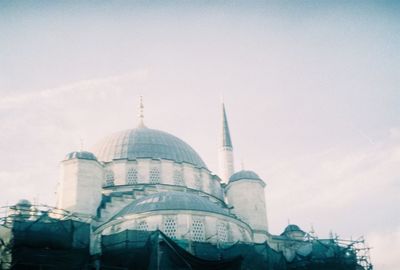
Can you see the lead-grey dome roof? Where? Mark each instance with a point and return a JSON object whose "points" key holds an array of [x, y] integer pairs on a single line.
{"points": [[80, 155], [24, 202], [248, 175], [292, 228], [172, 201], [144, 142]]}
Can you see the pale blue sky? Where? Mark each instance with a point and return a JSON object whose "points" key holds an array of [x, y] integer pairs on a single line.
{"points": [[312, 92]]}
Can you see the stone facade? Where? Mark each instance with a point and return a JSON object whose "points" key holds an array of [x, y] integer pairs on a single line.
{"points": [[80, 188], [248, 201]]}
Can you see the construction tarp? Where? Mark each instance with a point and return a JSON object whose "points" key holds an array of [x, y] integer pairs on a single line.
{"points": [[154, 250], [45, 243], [325, 254], [256, 256], [49, 244]]}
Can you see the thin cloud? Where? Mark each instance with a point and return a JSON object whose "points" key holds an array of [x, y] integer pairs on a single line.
{"points": [[385, 247], [106, 83], [337, 180]]}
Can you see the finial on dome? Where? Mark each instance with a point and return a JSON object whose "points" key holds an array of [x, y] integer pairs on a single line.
{"points": [[81, 144], [141, 113]]}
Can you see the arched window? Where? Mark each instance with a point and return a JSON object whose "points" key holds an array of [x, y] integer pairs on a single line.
{"points": [[197, 230], [197, 182], [115, 228], [109, 179], [178, 178], [132, 176], [244, 235], [142, 226], [170, 227], [212, 188], [217, 188], [154, 176], [222, 232]]}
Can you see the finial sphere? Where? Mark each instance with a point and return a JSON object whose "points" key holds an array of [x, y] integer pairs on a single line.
{"points": [[141, 113]]}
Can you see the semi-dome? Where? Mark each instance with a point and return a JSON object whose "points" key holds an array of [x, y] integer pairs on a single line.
{"points": [[172, 201], [144, 142], [250, 175], [81, 155]]}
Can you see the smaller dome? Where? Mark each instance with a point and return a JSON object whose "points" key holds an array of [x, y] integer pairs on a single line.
{"points": [[81, 155], [292, 228], [172, 201], [248, 175], [24, 202]]}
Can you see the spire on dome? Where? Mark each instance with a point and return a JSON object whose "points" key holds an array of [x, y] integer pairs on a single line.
{"points": [[226, 135], [81, 144], [141, 113]]}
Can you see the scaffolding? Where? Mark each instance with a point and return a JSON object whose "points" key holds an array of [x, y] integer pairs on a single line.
{"points": [[42, 238], [332, 253], [360, 249]]}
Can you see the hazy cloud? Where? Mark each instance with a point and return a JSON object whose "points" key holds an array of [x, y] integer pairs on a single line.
{"points": [[385, 248], [342, 181], [98, 85]]}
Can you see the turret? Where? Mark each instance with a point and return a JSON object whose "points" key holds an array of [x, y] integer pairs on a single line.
{"points": [[294, 232], [80, 187], [23, 210], [225, 154], [245, 192]]}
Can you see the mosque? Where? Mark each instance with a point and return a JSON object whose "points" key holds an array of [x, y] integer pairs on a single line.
{"points": [[144, 180], [147, 179]]}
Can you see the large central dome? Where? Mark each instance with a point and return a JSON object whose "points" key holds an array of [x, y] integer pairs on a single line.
{"points": [[144, 142]]}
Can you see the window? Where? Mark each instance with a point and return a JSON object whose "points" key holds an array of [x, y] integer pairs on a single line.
{"points": [[109, 179], [222, 232], [115, 228], [197, 230], [217, 189], [154, 176], [132, 176], [212, 187], [178, 178], [170, 227], [243, 234], [197, 182], [142, 226]]}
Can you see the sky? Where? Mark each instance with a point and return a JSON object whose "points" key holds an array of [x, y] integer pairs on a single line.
{"points": [[311, 88]]}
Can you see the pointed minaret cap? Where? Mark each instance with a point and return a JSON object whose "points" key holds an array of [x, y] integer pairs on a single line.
{"points": [[226, 135], [225, 156], [141, 114]]}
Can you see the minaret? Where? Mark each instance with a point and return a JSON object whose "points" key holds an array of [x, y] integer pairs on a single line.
{"points": [[226, 166]]}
